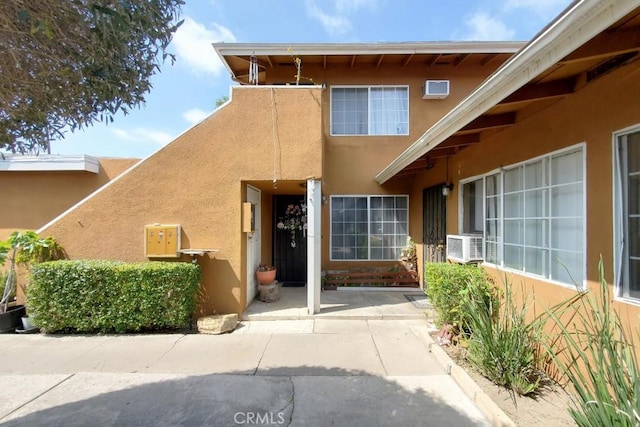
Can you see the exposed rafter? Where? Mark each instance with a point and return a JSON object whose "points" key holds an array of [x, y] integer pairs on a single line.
{"points": [[353, 60], [433, 60], [407, 60], [460, 59], [488, 122], [607, 45], [538, 91], [379, 61]]}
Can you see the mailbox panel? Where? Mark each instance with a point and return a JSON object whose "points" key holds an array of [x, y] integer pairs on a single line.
{"points": [[162, 241]]}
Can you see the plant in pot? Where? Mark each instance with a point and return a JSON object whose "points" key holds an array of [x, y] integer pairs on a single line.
{"points": [[22, 247], [266, 274]]}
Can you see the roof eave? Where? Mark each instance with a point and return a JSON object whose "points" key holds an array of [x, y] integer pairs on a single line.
{"points": [[578, 24]]}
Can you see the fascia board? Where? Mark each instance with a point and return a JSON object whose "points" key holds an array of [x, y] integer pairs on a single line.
{"points": [[46, 163]]}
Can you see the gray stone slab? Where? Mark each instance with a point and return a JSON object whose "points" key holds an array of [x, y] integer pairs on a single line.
{"points": [[201, 354], [21, 389], [124, 353], [276, 327], [320, 354], [99, 399], [364, 401], [42, 354], [338, 326], [402, 352]]}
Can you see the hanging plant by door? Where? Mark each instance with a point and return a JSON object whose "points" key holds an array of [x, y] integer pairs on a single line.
{"points": [[294, 219]]}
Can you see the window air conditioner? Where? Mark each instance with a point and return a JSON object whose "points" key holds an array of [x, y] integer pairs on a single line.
{"points": [[464, 249], [435, 89]]}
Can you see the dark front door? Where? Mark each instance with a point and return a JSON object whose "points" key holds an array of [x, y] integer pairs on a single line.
{"points": [[434, 208], [289, 240]]}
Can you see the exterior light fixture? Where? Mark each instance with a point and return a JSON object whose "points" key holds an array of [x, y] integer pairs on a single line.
{"points": [[446, 189]]}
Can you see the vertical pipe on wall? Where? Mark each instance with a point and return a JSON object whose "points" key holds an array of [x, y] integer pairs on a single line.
{"points": [[314, 207]]}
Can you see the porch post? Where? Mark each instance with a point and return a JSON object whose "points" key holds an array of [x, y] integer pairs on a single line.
{"points": [[314, 208]]}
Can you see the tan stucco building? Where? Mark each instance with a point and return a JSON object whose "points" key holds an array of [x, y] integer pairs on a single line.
{"points": [[537, 145]]}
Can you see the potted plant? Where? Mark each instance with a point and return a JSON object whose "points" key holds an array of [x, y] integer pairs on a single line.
{"points": [[22, 247], [266, 274]]}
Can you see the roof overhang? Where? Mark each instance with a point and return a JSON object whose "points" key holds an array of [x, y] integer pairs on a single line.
{"points": [[48, 163], [270, 56], [581, 22]]}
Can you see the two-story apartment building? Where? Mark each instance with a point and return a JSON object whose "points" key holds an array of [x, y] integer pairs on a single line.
{"points": [[529, 147]]}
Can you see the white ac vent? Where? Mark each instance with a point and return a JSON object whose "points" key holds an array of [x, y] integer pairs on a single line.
{"points": [[464, 249], [435, 89]]}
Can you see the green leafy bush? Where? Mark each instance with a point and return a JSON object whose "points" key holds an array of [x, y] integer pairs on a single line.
{"points": [[600, 361], [502, 344], [448, 285], [112, 296]]}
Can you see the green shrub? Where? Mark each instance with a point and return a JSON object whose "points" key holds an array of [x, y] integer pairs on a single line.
{"points": [[112, 296], [600, 361], [502, 345], [447, 287], [4, 275]]}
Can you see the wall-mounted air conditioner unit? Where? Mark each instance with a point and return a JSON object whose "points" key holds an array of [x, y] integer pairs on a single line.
{"points": [[464, 248], [435, 89]]}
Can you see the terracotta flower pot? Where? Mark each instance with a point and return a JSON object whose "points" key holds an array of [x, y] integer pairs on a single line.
{"points": [[266, 277]]}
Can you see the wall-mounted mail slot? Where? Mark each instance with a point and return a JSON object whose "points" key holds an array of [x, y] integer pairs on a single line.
{"points": [[162, 241]]}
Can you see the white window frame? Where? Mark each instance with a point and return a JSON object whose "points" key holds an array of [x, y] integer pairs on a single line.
{"points": [[368, 196], [500, 171], [620, 220], [369, 121]]}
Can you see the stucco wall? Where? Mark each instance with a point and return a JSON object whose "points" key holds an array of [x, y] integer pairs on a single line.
{"points": [[589, 116], [198, 181], [352, 162], [32, 199]]}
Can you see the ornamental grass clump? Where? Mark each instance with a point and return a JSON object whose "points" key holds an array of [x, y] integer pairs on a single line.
{"points": [[502, 344], [599, 359]]}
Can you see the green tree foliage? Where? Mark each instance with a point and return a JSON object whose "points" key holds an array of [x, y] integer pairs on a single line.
{"points": [[66, 64]]}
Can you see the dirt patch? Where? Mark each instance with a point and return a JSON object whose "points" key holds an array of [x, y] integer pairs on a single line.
{"points": [[550, 408]]}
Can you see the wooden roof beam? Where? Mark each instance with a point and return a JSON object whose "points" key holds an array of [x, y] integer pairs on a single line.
{"points": [[460, 59], [353, 61], [488, 122], [407, 60], [379, 61], [606, 45], [433, 60], [535, 91]]}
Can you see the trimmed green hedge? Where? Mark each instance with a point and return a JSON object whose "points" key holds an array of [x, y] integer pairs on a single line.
{"points": [[448, 285], [112, 296]]}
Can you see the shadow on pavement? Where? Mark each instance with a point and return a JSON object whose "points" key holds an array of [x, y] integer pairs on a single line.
{"points": [[309, 396]]}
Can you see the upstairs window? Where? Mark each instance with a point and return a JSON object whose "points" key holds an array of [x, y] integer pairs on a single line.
{"points": [[375, 110], [627, 215]]}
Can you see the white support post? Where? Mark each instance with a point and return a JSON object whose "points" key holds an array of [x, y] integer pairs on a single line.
{"points": [[314, 247]]}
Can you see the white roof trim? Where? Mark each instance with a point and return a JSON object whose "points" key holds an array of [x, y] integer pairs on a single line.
{"points": [[366, 48], [577, 25], [48, 162]]}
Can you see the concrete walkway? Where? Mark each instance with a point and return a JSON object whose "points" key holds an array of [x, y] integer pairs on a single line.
{"points": [[366, 360], [322, 372]]}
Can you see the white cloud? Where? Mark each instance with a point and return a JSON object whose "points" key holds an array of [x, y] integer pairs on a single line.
{"points": [[335, 25], [338, 23], [484, 27], [346, 6], [142, 135], [546, 9], [195, 115], [192, 43]]}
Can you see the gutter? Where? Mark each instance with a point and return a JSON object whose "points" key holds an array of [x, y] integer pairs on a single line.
{"points": [[580, 22]]}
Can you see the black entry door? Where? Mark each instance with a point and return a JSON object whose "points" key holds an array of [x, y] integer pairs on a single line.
{"points": [[434, 208], [289, 246]]}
